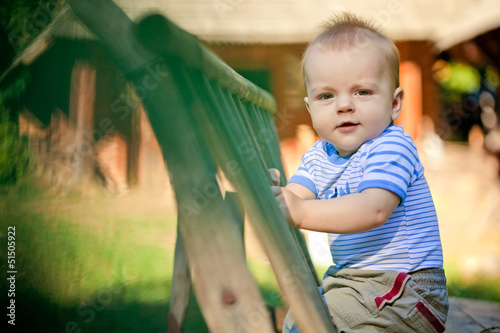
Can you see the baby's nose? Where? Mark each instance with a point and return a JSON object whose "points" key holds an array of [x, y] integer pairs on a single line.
{"points": [[344, 104]]}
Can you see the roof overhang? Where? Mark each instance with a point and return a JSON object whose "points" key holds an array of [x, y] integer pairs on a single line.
{"points": [[444, 23]]}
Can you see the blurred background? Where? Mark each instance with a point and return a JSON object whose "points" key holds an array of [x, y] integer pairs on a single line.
{"points": [[83, 180]]}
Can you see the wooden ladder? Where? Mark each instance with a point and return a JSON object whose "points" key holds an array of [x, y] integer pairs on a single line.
{"points": [[209, 120]]}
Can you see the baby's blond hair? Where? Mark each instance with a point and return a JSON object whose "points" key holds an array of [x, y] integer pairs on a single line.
{"points": [[346, 32]]}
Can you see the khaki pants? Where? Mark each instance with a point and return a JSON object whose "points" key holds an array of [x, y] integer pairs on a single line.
{"points": [[383, 301]]}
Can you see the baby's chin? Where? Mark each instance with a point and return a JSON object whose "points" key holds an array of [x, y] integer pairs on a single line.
{"points": [[345, 151]]}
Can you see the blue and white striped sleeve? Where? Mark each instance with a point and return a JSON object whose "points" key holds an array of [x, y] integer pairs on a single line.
{"points": [[391, 164], [305, 174]]}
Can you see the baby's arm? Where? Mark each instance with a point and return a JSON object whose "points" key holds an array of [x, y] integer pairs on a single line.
{"points": [[351, 213]]}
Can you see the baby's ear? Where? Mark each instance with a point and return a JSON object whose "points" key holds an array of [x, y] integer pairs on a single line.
{"points": [[306, 101], [397, 102]]}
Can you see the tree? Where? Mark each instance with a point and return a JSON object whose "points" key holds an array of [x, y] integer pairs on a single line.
{"points": [[20, 22]]}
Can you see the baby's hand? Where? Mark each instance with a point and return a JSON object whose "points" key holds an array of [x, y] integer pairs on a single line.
{"points": [[289, 203]]}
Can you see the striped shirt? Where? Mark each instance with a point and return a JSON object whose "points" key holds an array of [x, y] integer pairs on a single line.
{"points": [[409, 240]]}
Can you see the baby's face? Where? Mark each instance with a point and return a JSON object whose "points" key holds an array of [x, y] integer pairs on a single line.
{"points": [[350, 95]]}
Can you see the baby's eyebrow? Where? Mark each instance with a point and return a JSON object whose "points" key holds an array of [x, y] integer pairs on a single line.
{"points": [[317, 90], [366, 85]]}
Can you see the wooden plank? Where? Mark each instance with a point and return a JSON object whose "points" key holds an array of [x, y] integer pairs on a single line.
{"points": [[468, 315], [81, 115], [228, 297], [235, 206], [150, 166], [181, 285]]}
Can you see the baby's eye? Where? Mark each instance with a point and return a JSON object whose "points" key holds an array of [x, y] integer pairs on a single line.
{"points": [[363, 93], [325, 96]]}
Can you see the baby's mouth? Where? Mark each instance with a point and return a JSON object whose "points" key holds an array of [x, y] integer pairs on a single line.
{"points": [[347, 127], [347, 124]]}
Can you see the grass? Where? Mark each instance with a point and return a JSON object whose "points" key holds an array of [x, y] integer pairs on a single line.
{"points": [[85, 269], [81, 268], [87, 278], [477, 286]]}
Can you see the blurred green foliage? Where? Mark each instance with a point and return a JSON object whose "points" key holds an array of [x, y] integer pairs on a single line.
{"points": [[462, 79], [457, 79], [15, 89], [15, 156], [20, 22]]}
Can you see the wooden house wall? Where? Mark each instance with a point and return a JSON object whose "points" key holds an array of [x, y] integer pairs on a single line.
{"points": [[96, 129], [421, 54]]}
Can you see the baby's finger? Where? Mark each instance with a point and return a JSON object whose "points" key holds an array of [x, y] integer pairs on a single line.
{"points": [[276, 190], [275, 176]]}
